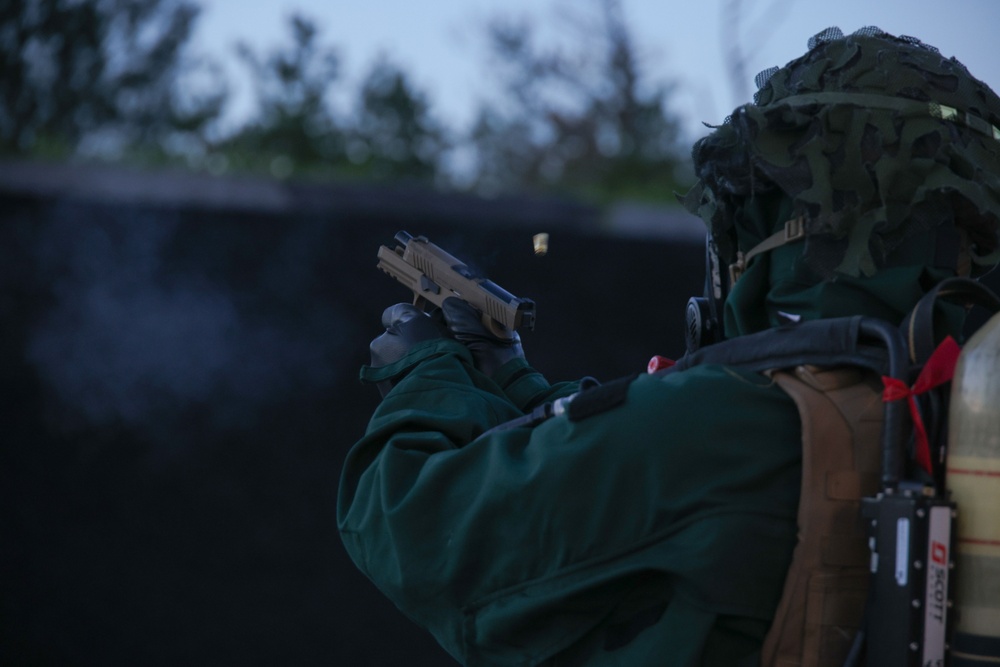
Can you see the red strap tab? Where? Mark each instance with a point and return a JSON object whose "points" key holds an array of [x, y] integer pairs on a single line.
{"points": [[658, 363], [940, 368]]}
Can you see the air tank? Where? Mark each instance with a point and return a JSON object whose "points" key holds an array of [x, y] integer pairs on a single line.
{"points": [[974, 480]]}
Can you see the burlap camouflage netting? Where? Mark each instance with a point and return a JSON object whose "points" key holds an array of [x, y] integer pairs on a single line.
{"points": [[874, 138]]}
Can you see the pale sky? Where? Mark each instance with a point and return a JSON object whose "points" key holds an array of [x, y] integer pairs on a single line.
{"points": [[439, 42]]}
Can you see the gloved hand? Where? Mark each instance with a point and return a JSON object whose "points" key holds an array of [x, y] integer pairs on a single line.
{"points": [[488, 351], [405, 326]]}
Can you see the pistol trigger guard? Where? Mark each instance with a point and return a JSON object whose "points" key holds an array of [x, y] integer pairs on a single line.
{"points": [[422, 303]]}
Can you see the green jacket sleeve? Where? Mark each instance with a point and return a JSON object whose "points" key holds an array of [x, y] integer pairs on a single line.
{"points": [[514, 546]]}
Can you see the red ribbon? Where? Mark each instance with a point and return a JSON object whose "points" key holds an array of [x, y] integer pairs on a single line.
{"points": [[939, 369]]}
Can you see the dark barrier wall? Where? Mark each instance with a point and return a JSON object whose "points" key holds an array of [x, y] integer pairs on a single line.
{"points": [[180, 389]]}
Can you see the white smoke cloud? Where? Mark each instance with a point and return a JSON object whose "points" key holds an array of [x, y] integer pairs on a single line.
{"points": [[133, 338]]}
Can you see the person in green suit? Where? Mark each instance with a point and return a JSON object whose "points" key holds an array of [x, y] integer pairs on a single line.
{"points": [[652, 521]]}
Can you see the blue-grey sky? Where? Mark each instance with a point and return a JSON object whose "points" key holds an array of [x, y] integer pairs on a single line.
{"points": [[439, 43]]}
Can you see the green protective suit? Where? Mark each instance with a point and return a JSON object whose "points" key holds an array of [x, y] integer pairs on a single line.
{"points": [[656, 531]]}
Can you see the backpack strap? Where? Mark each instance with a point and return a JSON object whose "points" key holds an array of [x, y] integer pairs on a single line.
{"points": [[826, 587], [926, 341], [841, 341], [921, 335]]}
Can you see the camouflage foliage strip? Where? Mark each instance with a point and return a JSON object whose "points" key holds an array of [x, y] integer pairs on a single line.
{"points": [[874, 138]]}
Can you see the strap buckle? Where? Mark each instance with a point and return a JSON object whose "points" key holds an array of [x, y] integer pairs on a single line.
{"points": [[794, 230]]}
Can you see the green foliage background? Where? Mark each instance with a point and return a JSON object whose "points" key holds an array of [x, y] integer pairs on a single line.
{"points": [[113, 80]]}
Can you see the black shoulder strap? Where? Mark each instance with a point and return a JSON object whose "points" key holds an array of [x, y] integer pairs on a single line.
{"points": [[864, 342], [843, 341], [921, 336]]}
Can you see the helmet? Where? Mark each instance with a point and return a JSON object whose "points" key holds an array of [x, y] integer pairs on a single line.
{"points": [[870, 156]]}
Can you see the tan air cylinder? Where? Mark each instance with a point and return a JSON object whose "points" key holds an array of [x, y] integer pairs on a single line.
{"points": [[974, 480]]}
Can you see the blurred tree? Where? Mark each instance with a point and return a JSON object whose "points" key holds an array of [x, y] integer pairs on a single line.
{"points": [[395, 136], [102, 78], [294, 128], [583, 122], [390, 135]]}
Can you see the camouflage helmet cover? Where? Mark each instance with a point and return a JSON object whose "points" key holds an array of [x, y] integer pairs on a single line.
{"points": [[874, 138]]}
